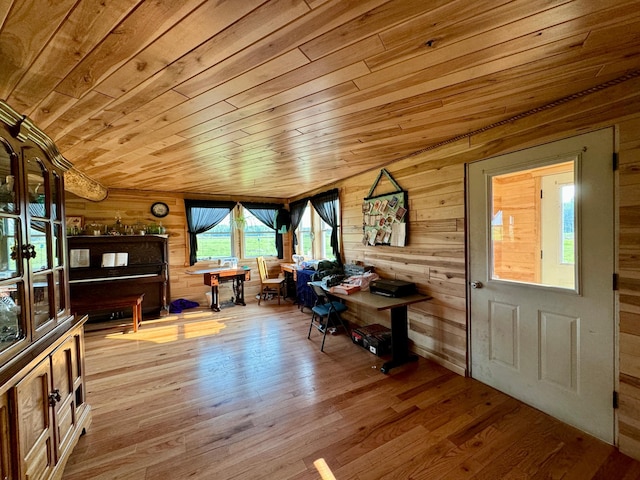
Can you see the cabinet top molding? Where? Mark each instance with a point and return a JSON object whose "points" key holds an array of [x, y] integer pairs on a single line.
{"points": [[23, 129]]}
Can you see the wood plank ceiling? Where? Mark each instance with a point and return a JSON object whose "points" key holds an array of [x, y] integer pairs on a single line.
{"points": [[276, 98]]}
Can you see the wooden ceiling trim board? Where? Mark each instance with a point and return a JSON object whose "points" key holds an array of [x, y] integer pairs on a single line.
{"points": [[161, 126], [334, 113], [308, 89], [240, 35], [256, 113], [326, 123], [155, 108], [280, 41], [51, 108], [328, 64], [466, 54], [206, 21], [259, 140], [443, 23], [142, 26], [374, 21], [192, 146], [439, 37], [81, 110], [87, 24], [280, 65], [622, 89], [25, 33]]}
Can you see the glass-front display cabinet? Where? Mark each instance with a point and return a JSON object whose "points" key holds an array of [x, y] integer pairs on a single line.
{"points": [[33, 278]]}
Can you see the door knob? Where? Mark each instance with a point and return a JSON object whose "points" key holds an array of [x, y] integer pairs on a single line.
{"points": [[476, 284]]}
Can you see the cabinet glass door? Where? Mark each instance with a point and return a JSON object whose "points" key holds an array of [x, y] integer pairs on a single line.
{"points": [[40, 246], [12, 294]]}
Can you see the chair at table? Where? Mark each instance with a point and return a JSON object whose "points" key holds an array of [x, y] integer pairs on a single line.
{"points": [[269, 286], [325, 313]]}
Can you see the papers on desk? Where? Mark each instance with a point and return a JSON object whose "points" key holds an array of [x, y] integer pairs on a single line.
{"points": [[345, 289]]}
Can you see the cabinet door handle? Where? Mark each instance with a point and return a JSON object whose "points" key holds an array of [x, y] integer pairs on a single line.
{"points": [[54, 397], [29, 251]]}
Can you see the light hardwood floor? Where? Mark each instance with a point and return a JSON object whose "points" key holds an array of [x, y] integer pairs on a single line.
{"points": [[242, 394]]}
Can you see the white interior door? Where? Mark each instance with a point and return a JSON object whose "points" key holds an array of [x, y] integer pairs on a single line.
{"points": [[549, 345]]}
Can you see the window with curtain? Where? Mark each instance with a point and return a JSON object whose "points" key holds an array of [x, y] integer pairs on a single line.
{"points": [[327, 206], [203, 216], [305, 235], [217, 242], [259, 239], [313, 235]]}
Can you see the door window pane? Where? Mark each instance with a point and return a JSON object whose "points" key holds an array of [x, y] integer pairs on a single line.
{"points": [[533, 226]]}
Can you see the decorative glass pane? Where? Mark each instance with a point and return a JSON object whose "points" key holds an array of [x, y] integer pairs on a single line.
{"points": [[38, 237], [533, 226], [57, 245], [9, 228], [36, 173], [54, 183], [59, 276], [41, 300], [11, 314], [7, 182]]}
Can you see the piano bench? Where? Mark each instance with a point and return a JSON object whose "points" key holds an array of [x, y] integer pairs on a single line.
{"points": [[81, 306]]}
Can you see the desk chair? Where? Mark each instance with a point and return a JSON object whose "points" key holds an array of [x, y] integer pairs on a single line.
{"points": [[325, 308], [268, 286]]}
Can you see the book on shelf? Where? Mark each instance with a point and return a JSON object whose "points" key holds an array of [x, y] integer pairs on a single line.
{"points": [[345, 289]]}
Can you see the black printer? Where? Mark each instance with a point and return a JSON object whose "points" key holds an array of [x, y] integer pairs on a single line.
{"points": [[392, 288]]}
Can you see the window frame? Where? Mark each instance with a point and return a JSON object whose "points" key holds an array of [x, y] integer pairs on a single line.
{"points": [[320, 245]]}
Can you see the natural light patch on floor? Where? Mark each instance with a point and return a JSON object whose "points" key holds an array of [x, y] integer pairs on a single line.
{"points": [[157, 331]]}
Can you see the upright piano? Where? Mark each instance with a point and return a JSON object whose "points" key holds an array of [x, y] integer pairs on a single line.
{"points": [[146, 270]]}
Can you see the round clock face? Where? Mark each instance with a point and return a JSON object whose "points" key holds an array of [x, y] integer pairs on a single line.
{"points": [[160, 209]]}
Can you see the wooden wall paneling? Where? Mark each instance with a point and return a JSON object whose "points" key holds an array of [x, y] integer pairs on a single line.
{"points": [[629, 297]]}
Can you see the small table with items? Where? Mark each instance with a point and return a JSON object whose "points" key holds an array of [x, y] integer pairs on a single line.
{"points": [[213, 277], [399, 328]]}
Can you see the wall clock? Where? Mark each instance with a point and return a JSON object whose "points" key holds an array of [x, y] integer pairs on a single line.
{"points": [[160, 209]]}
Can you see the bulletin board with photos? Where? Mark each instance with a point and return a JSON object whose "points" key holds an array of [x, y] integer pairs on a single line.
{"points": [[385, 217]]}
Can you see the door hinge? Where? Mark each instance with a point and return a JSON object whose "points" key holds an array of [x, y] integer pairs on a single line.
{"points": [[615, 282], [615, 161], [616, 401]]}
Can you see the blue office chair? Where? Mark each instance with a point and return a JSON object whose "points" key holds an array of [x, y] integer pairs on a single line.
{"points": [[325, 313]]}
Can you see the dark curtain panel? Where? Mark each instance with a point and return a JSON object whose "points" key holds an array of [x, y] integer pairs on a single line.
{"points": [[326, 204], [297, 211], [267, 213], [203, 215]]}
